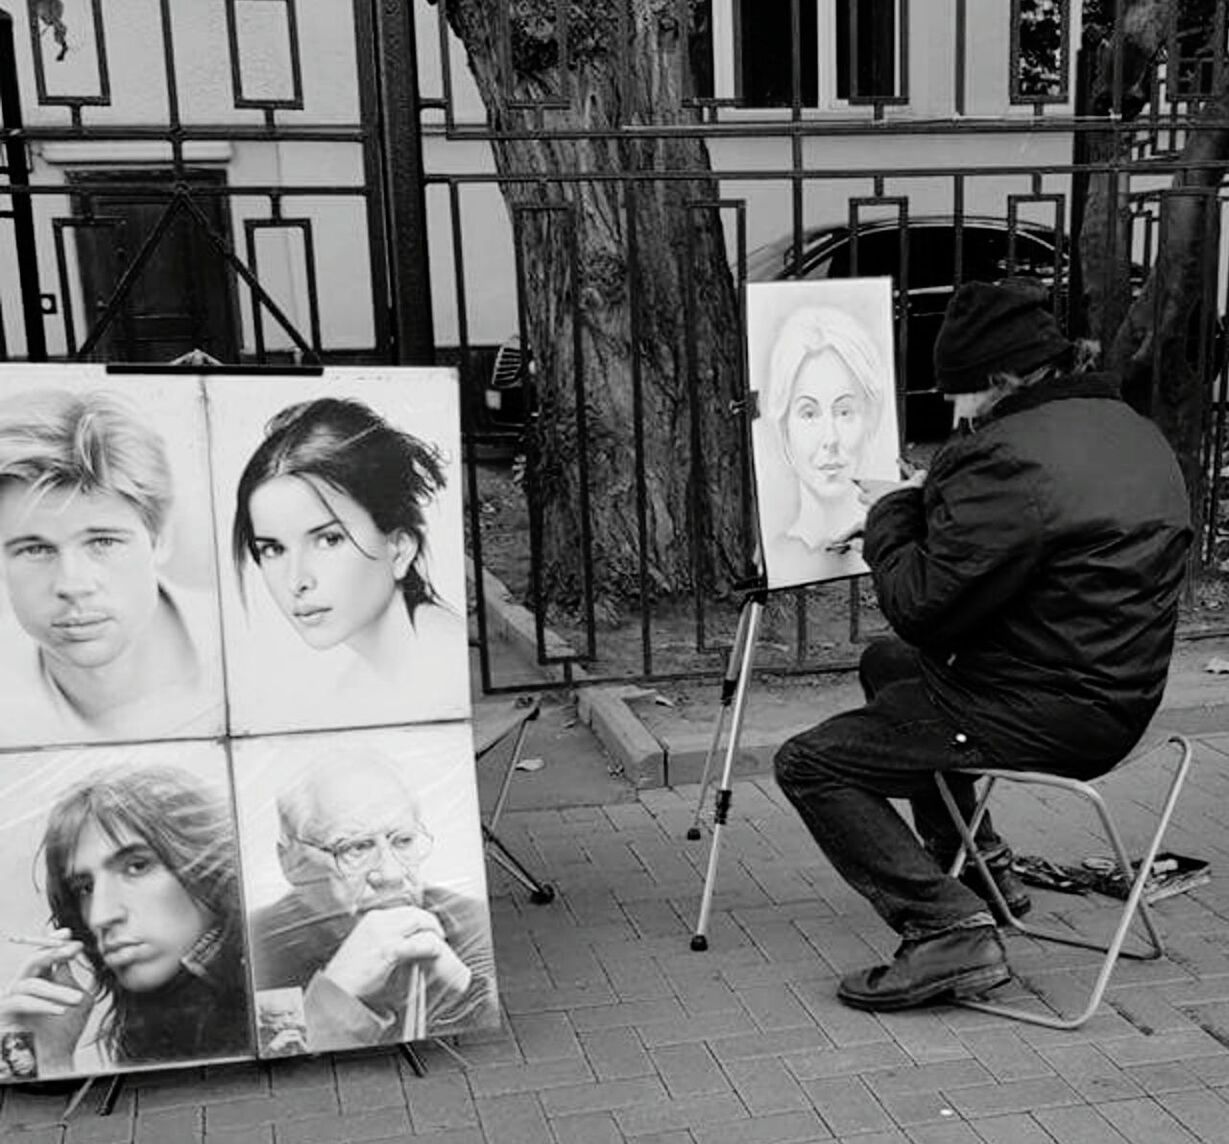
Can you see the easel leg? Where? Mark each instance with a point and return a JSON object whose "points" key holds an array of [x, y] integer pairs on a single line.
{"points": [[414, 1060], [106, 1106], [725, 795], [728, 686]]}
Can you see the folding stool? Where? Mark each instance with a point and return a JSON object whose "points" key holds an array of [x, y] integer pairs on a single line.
{"points": [[490, 730], [1136, 879]]}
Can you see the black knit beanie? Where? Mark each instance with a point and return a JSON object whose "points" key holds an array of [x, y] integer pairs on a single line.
{"points": [[994, 329]]}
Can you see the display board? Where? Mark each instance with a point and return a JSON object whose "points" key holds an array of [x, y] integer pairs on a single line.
{"points": [[822, 377], [240, 810]]}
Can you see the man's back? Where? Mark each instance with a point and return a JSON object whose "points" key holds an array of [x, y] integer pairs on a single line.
{"points": [[1059, 530]]}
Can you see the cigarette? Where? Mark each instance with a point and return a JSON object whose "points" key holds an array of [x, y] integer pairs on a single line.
{"points": [[37, 942]]}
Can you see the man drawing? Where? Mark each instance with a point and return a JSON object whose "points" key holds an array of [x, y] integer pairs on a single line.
{"points": [[382, 956], [85, 495]]}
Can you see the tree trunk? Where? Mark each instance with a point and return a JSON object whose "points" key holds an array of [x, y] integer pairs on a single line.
{"points": [[1160, 342], [628, 302]]}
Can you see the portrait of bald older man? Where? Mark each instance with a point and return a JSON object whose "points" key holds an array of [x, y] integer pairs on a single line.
{"points": [[381, 953]]}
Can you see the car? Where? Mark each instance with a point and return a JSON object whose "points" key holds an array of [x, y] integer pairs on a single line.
{"points": [[920, 258]]}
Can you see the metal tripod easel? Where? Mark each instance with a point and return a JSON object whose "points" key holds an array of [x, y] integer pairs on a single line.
{"points": [[733, 690]]}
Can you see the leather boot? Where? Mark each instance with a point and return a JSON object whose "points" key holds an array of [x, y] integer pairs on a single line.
{"points": [[955, 964], [1010, 886]]}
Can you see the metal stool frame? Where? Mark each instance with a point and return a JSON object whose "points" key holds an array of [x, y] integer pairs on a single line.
{"points": [[1135, 903]]}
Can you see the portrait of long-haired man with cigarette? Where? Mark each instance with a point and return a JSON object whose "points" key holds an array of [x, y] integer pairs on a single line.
{"points": [[142, 959]]}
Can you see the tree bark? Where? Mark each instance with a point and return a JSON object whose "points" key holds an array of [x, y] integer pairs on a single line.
{"points": [[628, 300], [1160, 342]]}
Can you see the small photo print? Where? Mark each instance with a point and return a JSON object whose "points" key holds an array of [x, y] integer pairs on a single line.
{"points": [[109, 612], [281, 1025], [18, 1060], [822, 371], [365, 884], [121, 930], [339, 530]]}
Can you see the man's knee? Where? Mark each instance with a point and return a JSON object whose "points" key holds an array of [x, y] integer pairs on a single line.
{"points": [[800, 761], [886, 660]]}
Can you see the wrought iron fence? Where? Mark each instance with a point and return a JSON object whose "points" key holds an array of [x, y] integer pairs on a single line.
{"points": [[905, 129]]}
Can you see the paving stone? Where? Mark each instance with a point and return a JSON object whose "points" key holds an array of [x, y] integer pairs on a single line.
{"points": [[545, 1036], [818, 1063], [513, 1120], [846, 1105], [1012, 1096], [1203, 1113], [775, 1007], [1004, 1055], [625, 1015], [1163, 1047], [1145, 1122], [186, 1124], [913, 1109], [586, 1128], [781, 1128], [616, 1054], [1092, 1074], [748, 1045], [949, 1132], [354, 1128], [367, 1083], [504, 1080], [604, 1096], [254, 1134], [688, 1070], [702, 1028], [766, 1086], [1014, 1129], [658, 1116], [440, 1101]]}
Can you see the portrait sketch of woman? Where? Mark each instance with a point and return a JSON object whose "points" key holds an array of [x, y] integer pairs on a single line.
{"points": [[338, 510], [821, 367], [123, 938]]}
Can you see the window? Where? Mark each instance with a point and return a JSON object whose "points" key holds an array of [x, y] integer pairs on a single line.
{"points": [[763, 43], [866, 49], [845, 52]]}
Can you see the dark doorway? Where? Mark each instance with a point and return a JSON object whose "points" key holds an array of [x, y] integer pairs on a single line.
{"points": [[182, 299]]}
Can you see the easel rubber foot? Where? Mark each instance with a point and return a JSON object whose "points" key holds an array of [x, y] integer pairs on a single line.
{"points": [[693, 835], [699, 943], [543, 896]]}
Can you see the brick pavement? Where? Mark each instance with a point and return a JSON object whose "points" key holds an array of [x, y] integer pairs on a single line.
{"points": [[615, 1031]]}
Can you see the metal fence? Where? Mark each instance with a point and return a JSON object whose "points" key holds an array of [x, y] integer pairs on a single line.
{"points": [[854, 149]]}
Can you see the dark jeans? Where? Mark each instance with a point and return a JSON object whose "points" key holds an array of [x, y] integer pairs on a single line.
{"points": [[840, 775]]}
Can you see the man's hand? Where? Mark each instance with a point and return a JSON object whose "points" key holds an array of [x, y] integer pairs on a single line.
{"points": [[385, 940], [48, 1001], [871, 491]]}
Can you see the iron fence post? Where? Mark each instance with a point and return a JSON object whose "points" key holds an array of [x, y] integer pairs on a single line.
{"points": [[19, 176], [404, 180]]}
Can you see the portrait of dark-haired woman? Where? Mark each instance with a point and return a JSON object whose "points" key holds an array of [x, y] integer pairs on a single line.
{"points": [[144, 962], [331, 509]]}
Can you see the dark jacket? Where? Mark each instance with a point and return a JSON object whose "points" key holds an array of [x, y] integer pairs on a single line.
{"points": [[1038, 571]]}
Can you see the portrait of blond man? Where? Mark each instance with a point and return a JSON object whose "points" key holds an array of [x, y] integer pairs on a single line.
{"points": [[97, 643]]}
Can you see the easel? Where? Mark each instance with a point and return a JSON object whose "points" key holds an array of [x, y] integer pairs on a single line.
{"points": [[733, 687]]}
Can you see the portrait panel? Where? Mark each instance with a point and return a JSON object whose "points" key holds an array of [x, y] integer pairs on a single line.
{"points": [[108, 588], [365, 887], [121, 927], [822, 374], [338, 523]]}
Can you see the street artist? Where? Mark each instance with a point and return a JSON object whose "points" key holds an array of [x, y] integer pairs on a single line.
{"points": [[1032, 577]]}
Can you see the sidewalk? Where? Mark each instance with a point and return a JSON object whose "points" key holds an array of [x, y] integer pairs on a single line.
{"points": [[617, 1032]]}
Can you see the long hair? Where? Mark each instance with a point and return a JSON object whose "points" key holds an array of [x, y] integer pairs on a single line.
{"points": [[352, 449], [189, 828]]}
